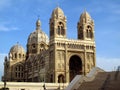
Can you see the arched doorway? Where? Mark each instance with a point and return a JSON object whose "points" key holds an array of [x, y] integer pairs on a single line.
{"points": [[61, 78], [75, 66]]}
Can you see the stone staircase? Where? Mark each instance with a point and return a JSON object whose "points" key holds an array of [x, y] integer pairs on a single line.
{"points": [[76, 83], [97, 79], [114, 82], [96, 84], [103, 81]]}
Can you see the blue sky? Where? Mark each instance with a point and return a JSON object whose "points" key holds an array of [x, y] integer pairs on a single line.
{"points": [[18, 18]]}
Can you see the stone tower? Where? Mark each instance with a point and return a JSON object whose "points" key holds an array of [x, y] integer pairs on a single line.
{"points": [[57, 32], [57, 24], [85, 27]]}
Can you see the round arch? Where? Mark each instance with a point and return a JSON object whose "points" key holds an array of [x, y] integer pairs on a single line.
{"points": [[61, 78], [75, 66]]}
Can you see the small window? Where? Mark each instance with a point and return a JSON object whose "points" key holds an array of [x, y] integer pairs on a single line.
{"points": [[19, 55], [15, 55], [33, 46], [23, 55]]}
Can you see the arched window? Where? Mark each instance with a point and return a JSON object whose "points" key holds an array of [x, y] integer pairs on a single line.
{"points": [[51, 29], [19, 55], [23, 55], [89, 33], [60, 30], [15, 55], [80, 33]]}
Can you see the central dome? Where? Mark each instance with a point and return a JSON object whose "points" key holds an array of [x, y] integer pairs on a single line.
{"points": [[38, 35]]}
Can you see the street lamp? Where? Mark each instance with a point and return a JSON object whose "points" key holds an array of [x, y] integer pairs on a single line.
{"points": [[4, 85]]}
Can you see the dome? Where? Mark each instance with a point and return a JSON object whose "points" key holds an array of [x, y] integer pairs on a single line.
{"points": [[17, 49], [38, 35], [85, 15], [57, 12]]}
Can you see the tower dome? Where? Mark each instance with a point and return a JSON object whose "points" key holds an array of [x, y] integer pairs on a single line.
{"points": [[57, 12], [17, 52], [85, 16], [38, 35], [17, 49]]}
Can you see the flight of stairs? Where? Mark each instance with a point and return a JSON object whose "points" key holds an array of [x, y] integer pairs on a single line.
{"points": [[103, 81]]}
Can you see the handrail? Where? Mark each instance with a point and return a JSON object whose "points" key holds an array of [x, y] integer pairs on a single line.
{"points": [[106, 82], [117, 72]]}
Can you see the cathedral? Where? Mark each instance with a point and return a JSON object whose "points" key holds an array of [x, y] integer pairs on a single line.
{"points": [[56, 59]]}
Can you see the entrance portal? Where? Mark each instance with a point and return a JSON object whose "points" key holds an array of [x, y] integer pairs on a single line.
{"points": [[75, 66]]}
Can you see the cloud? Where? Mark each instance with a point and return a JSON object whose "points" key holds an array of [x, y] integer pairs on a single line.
{"points": [[5, 28], [108, 64]]}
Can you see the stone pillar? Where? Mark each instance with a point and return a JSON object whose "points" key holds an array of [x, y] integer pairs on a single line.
{"points": [[85, 62], [66, 65]]}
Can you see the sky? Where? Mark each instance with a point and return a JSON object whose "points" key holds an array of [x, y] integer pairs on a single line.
{"points": [[18, 18]]}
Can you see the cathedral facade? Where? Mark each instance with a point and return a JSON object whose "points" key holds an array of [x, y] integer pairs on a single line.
{"points": [[56, 59]]}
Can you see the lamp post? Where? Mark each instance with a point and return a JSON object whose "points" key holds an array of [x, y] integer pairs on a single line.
{"points": [[5, 79], [5, 72], [4, 85], [44, 83]]}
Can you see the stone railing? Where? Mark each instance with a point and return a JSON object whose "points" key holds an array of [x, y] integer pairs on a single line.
{"points": [[117, 72], [106, 82]]}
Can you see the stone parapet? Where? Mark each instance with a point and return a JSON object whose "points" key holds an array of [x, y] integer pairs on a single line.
{"points": [[32, 86]]}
